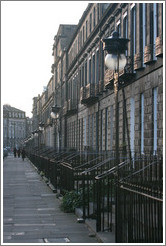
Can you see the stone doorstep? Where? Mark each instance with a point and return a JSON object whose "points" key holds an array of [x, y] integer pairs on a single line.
{"points": [[102, 237], [52, 188]]}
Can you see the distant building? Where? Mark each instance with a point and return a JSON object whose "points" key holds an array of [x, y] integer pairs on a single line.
{"points": [[28, 126], [16, 126]]}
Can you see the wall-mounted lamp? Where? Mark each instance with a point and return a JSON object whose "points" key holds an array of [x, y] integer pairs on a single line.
{"points": [[41, 126]]}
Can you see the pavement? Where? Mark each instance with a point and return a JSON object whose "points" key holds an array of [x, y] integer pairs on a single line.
{"points": [[32, 214]]}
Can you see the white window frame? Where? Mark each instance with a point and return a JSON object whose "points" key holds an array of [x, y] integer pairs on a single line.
{"points": [[118, 26], [125, 14], [132, 5]]}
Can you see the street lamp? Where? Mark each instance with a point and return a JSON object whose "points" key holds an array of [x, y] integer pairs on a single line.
{"points": [[116, 60], [55, 116], [41, 126], [41, 132], [54, 113], [116, 47]]}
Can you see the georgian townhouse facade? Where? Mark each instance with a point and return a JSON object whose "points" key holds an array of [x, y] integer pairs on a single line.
{"points": [[63, 37], [35, 120], [83, 91], [77, 76], [46, 104], [92, 124]]}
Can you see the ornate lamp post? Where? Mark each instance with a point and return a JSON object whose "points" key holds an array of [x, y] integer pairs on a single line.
{"points": [[41, 126], [41, 132], [55, 115], [116, 60]]}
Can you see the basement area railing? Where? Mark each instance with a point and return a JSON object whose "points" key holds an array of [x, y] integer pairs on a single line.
{"points": [[125, 199]]}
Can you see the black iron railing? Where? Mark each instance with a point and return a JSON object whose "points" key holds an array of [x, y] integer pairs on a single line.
{"points": [[126, 199], [138, 200]]}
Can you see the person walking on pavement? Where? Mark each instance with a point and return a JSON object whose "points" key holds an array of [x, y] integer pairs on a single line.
{"points": [[15, 151], [23, 154], [18, 152]]}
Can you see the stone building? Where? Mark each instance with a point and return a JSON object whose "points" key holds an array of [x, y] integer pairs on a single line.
{"points": [[53, 93], [16, 127], [82, 86], [29, 127]]}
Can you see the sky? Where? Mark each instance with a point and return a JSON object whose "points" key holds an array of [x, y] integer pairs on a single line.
{"points": [[27, 36]]}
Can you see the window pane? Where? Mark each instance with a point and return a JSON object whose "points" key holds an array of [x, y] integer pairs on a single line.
{"points": [[92, 130], [97, 67], [112, 126], [101, 130], [93, 81], [85, 132], [106, 128], [144, 24], [90, 71], [142, 123], [125, 29], [134, 30], [85, 73], [132, 122], [154, 27], [155, 119]]}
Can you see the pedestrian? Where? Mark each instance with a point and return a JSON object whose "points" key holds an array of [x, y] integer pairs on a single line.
{"points": [[23, 154], [15, 151], [18, 153]]}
